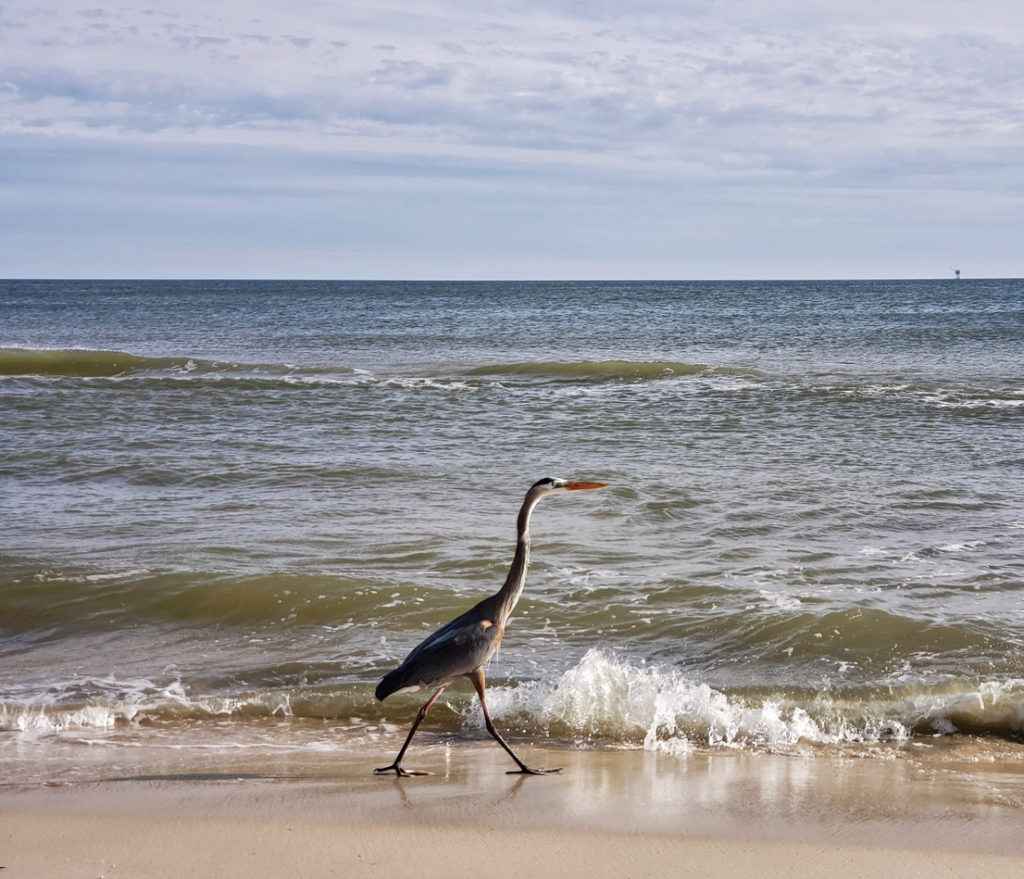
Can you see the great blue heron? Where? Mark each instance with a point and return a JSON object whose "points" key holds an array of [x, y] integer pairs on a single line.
{"points": [[463, 647]]}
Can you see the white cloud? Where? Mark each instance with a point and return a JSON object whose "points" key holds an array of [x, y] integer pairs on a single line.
{"points": [[632, 107]]}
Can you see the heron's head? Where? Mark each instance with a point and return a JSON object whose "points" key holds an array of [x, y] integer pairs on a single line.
{"points": [[550, 485]]}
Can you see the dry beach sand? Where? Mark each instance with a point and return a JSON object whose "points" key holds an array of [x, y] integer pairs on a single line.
{"points": [[930, 810]]}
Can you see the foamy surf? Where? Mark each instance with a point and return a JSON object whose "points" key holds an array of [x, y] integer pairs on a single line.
{"points": [[105, 704], [606, 700], [593, 369]]}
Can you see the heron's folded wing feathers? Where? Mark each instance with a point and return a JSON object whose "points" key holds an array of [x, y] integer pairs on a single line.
{"points": [[449, 653]]}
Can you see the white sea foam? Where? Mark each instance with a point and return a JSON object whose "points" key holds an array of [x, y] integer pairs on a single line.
{"points": [[608, 699], [40, 718], [108, 702], [603, 701], [779, 600], [113, 575], [962, 547]]}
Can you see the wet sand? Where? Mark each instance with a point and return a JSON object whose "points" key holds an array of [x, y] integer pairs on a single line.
{"points": [[95, 810]]}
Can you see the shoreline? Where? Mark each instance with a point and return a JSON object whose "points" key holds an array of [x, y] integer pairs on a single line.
{"points": [[178, 812]]}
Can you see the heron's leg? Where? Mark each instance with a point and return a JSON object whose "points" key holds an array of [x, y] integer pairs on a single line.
{"points": [[396, 767], [477, 677]]}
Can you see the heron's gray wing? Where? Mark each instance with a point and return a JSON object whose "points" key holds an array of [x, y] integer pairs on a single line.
{"points": [[477, 614], [449, 653]]}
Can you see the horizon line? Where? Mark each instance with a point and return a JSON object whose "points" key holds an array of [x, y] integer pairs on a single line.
{"points": [[498, 280]]}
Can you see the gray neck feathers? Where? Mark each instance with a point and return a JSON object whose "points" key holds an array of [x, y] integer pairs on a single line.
{"points": [[509, 594]]}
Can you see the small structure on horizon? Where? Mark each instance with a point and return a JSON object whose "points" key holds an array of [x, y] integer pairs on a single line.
{"points": [[956, 272]]}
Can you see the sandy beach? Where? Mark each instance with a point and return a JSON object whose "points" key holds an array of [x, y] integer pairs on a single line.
{"points": [[91, 811]]}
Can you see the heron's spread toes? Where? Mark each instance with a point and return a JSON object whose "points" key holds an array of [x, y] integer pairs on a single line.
{"points": [[526, 770], [399, 771]]}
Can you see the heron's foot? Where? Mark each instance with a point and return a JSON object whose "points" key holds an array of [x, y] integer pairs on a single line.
{"points": [[399, 771], [526, 770]]}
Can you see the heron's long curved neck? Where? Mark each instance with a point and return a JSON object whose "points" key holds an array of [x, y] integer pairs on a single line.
{"points": [[508, 595]]}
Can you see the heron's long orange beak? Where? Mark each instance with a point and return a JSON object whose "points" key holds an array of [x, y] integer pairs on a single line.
{"points": [[583, 486]]}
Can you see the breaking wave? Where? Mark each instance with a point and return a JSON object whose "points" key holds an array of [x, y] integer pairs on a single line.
{"points": [[71, 363], [107, 703], [97, 363], [596, 369], [87, 363], [606, 700], [603, 701]]}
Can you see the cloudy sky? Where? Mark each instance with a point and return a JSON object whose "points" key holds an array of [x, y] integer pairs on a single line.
{"points": [[512, 138]]}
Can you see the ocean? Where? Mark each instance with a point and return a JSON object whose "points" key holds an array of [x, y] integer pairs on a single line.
{"points": [[229, 507]]}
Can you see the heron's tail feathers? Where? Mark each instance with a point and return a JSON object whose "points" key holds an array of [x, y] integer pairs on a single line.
{"points": [[393, 682]]}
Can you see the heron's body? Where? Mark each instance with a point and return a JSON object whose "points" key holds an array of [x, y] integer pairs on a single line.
{"points": [[455, 651], [462, 647]]}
